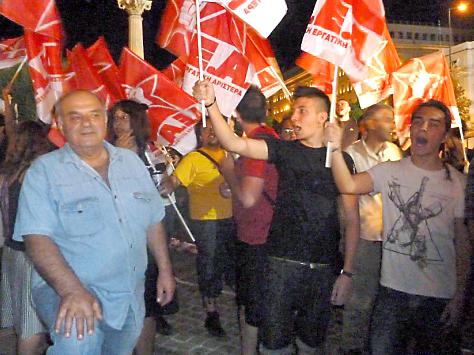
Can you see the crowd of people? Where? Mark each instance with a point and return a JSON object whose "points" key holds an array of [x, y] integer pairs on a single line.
{"points": [[384, 233]]}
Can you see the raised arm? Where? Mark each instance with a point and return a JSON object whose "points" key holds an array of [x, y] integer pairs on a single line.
{"points": [[77, 303], [251, 148], [347, 183]]}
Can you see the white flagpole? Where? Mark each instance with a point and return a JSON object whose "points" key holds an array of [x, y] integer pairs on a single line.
{"points": [[201, 71], [332, 114], [18, 70]]}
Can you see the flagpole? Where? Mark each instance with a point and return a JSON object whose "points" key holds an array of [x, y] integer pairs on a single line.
{"points": [[18, 70], [332, 114], [201, 71], [286, 92]]}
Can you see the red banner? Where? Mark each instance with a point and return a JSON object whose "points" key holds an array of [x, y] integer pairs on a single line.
{"points": [[86, 75], [40, 16], [321, 71], [419, 80], [345, 33], [12, 52], [44, 62], [172, 112]]}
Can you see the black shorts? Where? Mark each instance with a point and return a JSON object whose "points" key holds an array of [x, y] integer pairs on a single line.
{"points": [[296, 301], [251, 261], [153, 308]]}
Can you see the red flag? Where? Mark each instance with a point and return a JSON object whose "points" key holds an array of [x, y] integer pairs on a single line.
{"points": [[12, 52], [86, 75], [345, 33], [321, 70], [40, 16], [376, 86], [419, 80], [175, 71], [172, 112], [262, 15], [108, 71], [44, 62]]}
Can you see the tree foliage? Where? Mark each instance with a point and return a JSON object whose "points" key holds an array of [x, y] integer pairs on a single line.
{"points": [[462, 101]]}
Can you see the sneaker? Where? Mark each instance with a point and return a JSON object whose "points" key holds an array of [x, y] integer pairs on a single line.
{"points": [[213, 325], [163, 327]]}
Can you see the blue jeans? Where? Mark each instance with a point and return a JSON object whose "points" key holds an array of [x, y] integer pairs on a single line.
{"points": [[105, 340], [215, 241], [400, 318]]}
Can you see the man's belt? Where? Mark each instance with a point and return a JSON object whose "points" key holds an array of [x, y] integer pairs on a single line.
{"points": [[310, 265]]}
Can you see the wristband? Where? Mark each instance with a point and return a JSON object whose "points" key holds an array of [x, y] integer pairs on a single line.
{"points": [[213, 102], [347, 273]]}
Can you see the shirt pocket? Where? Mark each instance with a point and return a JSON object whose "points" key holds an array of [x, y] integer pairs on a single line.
{"points": [[143, 208], [81, 217]]}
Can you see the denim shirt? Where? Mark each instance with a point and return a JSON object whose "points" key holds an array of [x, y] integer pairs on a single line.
{"points": [[100, 230]]}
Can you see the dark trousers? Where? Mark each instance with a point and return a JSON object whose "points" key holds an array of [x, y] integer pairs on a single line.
{"points": [[215, 241], [400, 319]]}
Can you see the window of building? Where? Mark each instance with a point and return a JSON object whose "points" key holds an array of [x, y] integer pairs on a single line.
{"points": [[455, 38], [440, 37], [446, 38], [409, 35], [400, 35], [425, 36], [392, 34], [417, 35], [432, 37]]}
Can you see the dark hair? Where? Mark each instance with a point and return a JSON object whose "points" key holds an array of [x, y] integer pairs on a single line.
{"points": [[36, 144], [440, 106], [253, 106], [278, 126], [447, 126], [138, 122], [311, 92]]}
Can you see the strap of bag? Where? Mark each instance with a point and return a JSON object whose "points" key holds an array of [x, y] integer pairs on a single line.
{"points": [[213, 161]]}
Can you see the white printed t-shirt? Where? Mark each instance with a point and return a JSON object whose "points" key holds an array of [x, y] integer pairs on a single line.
{"points": [[419, 208]]}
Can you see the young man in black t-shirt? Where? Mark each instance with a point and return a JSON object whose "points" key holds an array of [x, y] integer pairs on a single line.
{"points": [[304, 236]]}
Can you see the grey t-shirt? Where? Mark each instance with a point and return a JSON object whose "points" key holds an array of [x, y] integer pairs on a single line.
{"points": [[419, 208]]}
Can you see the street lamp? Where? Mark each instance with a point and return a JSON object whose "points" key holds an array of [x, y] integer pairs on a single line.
{"points": [[461, 7]]}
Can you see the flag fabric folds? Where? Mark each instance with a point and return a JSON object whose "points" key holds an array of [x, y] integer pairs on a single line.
{"points": [[12, 52], [172, 112], [345, 33], [321, 71], [419, 80]]}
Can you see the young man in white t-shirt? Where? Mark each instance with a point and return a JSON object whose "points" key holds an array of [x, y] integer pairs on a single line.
{"points": [[425, 261]]}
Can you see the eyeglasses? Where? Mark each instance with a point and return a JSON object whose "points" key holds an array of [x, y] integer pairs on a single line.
{"points": [[288, 130]]}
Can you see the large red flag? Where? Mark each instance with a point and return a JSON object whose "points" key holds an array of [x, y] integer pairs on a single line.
{"points": [[175, 71], [40, 16], [172, 112], [376, 86], [419, 80], [262, 15], [102, 60], [321, 71], [345, 33], [44, 62], [86, 75], [12, 52]]}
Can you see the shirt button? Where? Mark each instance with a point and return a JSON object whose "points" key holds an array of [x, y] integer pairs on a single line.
{"points": [[131, 246], [115, 196], [134, 268], [120, 220]]}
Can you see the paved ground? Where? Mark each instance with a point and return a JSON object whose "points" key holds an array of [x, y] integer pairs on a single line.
{"points": [[190, 336]]}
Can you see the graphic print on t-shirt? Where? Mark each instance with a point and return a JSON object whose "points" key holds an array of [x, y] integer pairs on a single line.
{"points": [[410, 234]]}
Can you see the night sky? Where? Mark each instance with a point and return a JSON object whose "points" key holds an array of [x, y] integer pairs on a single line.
{"points": [[85, 20]]}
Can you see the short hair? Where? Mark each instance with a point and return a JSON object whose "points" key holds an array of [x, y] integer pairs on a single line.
{"points": [[312, 92], [57, 112], [253, 106], [372, 110], [440, 106], [139, 122]]}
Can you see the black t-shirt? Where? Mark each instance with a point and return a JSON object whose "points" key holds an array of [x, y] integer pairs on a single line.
{"points": [[305, 225]]}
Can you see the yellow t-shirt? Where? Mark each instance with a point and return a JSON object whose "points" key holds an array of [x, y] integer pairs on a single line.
{"points": [[202, 179]]}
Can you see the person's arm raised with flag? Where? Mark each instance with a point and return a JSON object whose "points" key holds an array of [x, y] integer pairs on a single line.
{"points": [[251, 148]]}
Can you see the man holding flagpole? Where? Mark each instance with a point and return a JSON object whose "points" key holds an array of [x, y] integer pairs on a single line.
{"points": [[304, 235]]}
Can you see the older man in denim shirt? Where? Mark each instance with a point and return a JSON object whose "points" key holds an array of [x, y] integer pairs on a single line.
{"points": [[86, 213]]}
